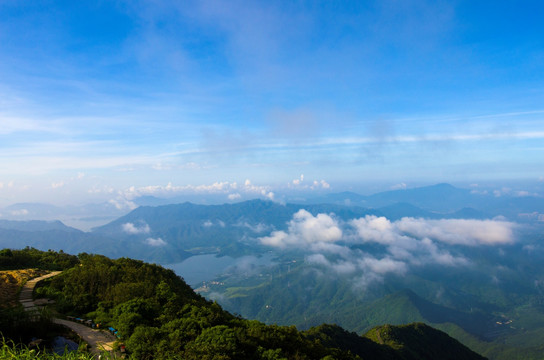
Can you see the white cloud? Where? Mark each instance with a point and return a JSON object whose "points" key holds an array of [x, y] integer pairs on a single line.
{"points": [[299, 180], [234, 196], [459, 231], [502, 191], [452, 231], [401, 186], [155, 242], [305, 229], [317, 259], [277, 239], [479, 192], [375, 229], [21, 212], [416, 241], [102, 190], [366, 268], [207, 223], [232, 189], [314, 185], [529, 248], [123, 204], [407, 242], [169, 189], [57, 185], [258, 228], [210, 223], [130, 228], [263, 190], [344, 267], [320, 228], [324, 184], [383, 266]]}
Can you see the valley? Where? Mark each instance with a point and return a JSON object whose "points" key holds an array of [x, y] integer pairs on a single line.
{"points": [[474, 274]]}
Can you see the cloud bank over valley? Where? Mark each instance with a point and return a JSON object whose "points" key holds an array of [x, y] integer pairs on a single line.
{"points": [[371, 247]]}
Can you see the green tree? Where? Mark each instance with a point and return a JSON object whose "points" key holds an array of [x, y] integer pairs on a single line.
{"points": [[143, 342]]}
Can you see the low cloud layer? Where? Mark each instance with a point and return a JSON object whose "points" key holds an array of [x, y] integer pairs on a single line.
{"points": [[406, 232], [133, 229], [210, 223], [233, 190], [155, 242], [459, 231], [407, 242], [305, 229]]}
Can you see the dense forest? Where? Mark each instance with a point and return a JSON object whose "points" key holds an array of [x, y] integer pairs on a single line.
{"points": [[158, 316]]}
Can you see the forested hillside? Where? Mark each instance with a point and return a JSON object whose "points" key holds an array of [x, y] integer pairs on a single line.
{"points": [[158, 316]]}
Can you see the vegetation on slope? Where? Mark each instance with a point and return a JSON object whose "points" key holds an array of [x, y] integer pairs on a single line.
{"points": [[158, 316], [11, 282], [417, 341]]}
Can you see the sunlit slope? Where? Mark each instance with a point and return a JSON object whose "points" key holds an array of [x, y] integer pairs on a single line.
{"points": [[157, 315]]}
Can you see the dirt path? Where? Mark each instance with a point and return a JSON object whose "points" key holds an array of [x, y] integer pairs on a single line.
{"points": [[25, 296], [98, 340], [11, 282]]}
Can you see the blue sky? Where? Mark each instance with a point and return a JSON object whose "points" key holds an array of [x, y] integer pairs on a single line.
{"points": [[115, 99]]}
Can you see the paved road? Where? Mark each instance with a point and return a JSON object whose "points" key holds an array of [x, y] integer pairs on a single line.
{"points": [[98, 340]]}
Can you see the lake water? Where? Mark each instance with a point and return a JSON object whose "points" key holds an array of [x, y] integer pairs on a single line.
{"points": [[199, 268]]}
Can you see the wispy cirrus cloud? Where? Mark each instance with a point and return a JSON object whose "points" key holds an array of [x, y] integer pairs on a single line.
{"points": [[207, 90]]}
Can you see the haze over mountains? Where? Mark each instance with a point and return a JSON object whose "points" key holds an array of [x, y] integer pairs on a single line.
{"points": [[465, 262], [164, 233], [441, 200]]}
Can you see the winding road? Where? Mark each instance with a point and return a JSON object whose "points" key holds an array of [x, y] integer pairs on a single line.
{"points": [[99, 341]]}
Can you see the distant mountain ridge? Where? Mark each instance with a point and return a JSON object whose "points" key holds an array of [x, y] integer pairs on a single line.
{"points": [[35, 225], [228, 228], [441, 200], [165, 233]]}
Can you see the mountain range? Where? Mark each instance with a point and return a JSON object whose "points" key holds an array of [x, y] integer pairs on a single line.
{"points": [[465, 262]]}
